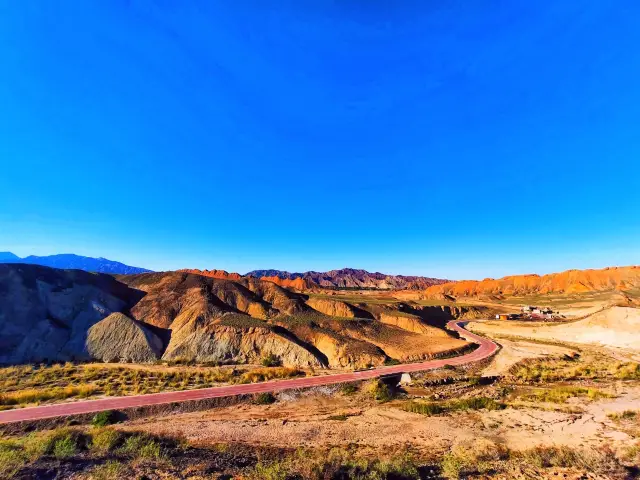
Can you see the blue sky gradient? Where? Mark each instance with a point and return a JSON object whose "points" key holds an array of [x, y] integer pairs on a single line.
{"points": [[453, 139]]}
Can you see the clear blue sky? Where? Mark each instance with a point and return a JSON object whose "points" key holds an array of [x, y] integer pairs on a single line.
{"points": [[449, 138]]}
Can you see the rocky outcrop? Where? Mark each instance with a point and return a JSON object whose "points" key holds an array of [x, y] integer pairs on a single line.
{"points": [[117, 338], [45, 313], [346, 352], [228, 344], [569, 282]]}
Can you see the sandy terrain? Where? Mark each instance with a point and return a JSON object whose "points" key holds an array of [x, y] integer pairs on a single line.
{"points": [[617, 327], [514, 351], [306, 422]]}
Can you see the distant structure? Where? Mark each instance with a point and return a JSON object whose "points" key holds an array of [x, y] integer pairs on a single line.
{"points": [[538, 313], [508, 316]]}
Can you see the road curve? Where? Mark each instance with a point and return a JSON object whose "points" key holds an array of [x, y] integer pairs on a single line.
{"points": [[486, 349]]}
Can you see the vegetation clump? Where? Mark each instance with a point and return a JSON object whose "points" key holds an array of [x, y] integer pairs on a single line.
{"points": [[102, 419], [483, 457], [562, 394], [382, 392], [337, 464], [348, 388], [265, 398], [438, 408], [271, 360]]}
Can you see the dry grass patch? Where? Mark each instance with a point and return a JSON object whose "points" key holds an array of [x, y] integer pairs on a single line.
{"points": [[562, 394], [574, 368], [483, 458], [438, 408], [37, 395], [338, 464], [270, 373], [29, 384]]}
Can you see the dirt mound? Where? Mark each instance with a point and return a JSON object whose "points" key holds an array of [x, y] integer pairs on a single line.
{"points": [[569, 282], [45, 313], [117, 338]]}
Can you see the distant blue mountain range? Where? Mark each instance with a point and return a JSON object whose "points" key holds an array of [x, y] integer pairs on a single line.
{"points": [[71, 261]]}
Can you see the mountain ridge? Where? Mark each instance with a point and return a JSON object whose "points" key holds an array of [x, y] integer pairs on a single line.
{"points": [[342, 278], [69, 261]]}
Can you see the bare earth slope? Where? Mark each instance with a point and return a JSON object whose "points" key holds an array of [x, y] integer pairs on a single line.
{"points": [[45, 313], [118, 338]]}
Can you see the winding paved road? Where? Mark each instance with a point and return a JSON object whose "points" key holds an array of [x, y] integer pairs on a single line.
{"points": [[486, 349]]}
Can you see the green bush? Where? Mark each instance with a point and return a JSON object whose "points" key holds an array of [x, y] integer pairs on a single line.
{"points": [[102, 419]]}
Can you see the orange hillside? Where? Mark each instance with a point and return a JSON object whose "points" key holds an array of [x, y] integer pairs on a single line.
{"points": [[213, 273], [296, 283], [571, 281]]}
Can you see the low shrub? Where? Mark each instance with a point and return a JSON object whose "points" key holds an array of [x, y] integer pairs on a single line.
{"points": [[264, 398], [349, 388], [382, 392], [111, 470], [65, 447], [625, 415], [141, 446], [104, 440], [271, 360], [12, 459], [271, 471], [340, 417]]}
